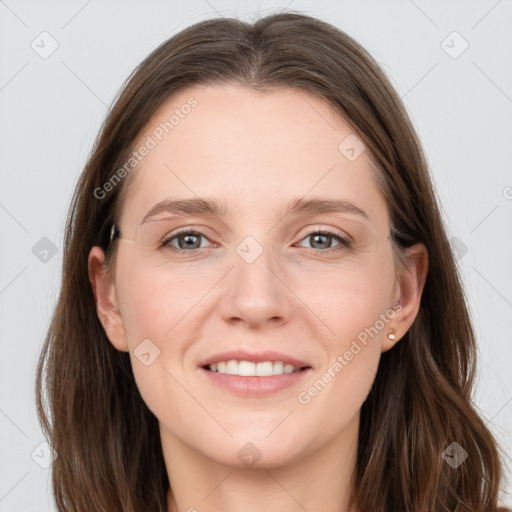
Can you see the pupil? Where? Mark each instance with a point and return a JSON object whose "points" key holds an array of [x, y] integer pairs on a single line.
{"points": [[187, 239], [321, 236]]}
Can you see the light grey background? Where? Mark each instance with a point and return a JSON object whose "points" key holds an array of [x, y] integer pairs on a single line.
{"points": [[51, 109]]}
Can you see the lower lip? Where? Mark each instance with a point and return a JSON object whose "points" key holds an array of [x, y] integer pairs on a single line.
{"points": [[255, 386]]}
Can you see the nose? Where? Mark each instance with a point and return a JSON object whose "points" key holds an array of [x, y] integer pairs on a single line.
{"points": [[257, 292]]}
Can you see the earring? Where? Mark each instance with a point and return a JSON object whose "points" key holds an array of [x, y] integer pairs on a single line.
{"points": [[115, 308], [391, 335]]}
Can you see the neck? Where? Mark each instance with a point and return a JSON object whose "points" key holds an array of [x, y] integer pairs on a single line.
{"points": [[319, 481]]}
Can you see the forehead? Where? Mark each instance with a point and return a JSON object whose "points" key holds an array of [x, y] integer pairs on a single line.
{"points": [[251, 149]]}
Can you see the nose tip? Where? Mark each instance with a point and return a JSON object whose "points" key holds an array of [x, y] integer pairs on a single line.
{"points": [[256, 294]]}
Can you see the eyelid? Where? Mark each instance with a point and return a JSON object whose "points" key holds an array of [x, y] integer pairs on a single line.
{"points": [[329, 230]]}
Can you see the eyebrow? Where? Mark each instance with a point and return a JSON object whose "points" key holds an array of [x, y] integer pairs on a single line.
{"points": [[210, 207]]}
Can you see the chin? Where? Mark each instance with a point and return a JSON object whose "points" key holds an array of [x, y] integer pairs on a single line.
{"points": [[258, 452]]}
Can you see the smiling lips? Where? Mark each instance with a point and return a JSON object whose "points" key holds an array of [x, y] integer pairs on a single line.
{"points": [[252, 369], [261, 364], [254, 374]]}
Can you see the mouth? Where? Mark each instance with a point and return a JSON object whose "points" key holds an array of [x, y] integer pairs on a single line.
{"points": [[250, 379], [252, 369]]}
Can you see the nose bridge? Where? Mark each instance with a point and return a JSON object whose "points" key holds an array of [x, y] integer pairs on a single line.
{"points": [[257, 292]]}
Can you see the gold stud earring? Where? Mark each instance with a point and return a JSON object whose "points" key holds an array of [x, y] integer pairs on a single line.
{"points": [[391, 335]]}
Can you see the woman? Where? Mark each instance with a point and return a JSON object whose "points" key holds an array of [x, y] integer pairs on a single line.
{"points": [[255, 371]]}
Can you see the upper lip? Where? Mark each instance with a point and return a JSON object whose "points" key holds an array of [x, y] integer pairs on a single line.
{"points": [[256, 357]]}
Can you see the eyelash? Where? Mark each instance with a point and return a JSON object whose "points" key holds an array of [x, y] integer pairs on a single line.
{"points": [[345, 243]]}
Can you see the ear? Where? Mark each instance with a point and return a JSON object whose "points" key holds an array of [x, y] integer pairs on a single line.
{"points": [[410, 288], [103, 286]]}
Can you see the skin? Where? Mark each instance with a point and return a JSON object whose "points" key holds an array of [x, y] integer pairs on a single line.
{"points": [[255, 151]]}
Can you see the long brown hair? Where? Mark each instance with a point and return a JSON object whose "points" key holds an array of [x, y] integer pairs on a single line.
{"points": [[108, 452]]}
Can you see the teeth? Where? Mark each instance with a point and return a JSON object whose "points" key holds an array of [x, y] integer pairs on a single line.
{"points": [[250, 369]]}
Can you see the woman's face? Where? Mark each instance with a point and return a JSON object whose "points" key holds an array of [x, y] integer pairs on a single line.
{"points": [[257, 278]]}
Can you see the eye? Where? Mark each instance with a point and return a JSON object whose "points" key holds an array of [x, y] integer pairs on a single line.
{"points": [[187, 240], [323, 238]]}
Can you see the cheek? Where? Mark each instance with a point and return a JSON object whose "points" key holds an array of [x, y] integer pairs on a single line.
{"points": [[334, 395], [161, 307], [355, 307], [155, 306], [350, 298], [156, 300]]}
